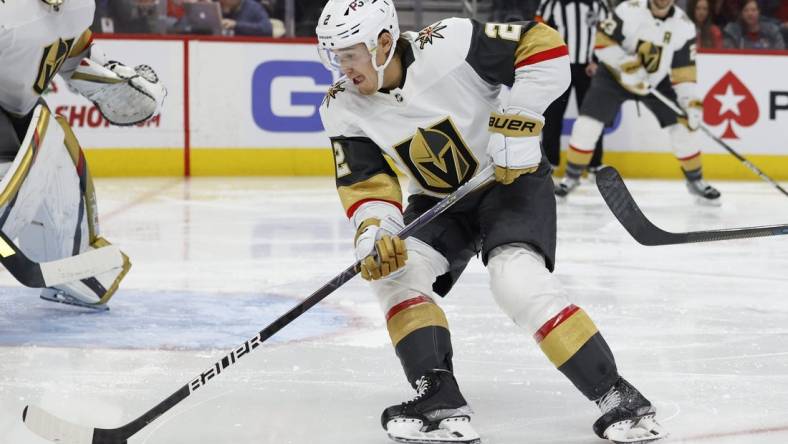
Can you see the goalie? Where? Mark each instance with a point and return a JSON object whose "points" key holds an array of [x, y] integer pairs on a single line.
{"points": [[47, 199]]}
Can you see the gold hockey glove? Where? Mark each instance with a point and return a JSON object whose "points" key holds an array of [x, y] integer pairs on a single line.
{"points": [[514, 144], [380, 251]]}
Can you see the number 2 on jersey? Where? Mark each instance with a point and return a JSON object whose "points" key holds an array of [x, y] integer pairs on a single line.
{"points": [[339, 157], [504, 31]]}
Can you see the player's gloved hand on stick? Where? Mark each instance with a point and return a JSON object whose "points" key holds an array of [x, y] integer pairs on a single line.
{"points": [[693, 107], [633, 76], [514, 144], [379, 249], [516, 156]]}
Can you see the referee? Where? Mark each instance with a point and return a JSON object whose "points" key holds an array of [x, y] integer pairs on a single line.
{"points": [[576, 20]]}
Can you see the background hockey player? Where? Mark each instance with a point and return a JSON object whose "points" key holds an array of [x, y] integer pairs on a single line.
{"points": [[429, 101], [645, 44], [47, 200]]}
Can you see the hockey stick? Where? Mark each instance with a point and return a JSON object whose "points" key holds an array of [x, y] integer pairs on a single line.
{"points": [[623, 206], [669, 103], [47, 274], [60, 431]]}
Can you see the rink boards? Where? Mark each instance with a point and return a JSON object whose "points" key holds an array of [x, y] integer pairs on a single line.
{"points": [[250, 107]]}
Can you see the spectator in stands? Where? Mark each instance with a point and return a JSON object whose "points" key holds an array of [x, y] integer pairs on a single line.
{"points": [[726, 11], [306, 14], [776, 10], [128, 17], [245, 17], [176, 21], [753, 32], [709, 34], [175, 8], [769, 8]]}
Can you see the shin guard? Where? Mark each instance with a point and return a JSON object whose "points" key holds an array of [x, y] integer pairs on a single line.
{"points": [[574, 345]]}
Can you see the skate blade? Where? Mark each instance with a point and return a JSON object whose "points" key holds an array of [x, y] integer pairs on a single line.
{"points": [[432, 441], [61, 298], [636, 431], [450, 430], [703, 202]]}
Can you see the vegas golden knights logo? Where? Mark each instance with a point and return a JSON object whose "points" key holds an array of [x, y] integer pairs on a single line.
{"points": [[51, 61], [650, 56], [438, 158]]}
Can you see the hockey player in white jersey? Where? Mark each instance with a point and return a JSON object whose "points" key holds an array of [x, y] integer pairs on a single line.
{"points": [[645, 44], [47, 200], [429, 102]]}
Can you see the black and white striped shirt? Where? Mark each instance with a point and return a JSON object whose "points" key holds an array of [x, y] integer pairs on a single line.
{"points": [[576, 20]]}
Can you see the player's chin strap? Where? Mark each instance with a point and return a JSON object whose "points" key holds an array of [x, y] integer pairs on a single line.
{"points": [[381, 70]]}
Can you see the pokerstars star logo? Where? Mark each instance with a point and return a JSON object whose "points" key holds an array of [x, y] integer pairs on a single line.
{"points": [[730, 101]]}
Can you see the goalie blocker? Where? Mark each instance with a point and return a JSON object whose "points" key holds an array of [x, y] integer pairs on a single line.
{"points": [[48, 208]]}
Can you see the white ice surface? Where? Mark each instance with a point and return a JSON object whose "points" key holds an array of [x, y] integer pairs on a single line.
{"points": [[701, 329]]}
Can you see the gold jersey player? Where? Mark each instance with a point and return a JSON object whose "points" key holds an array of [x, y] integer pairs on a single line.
{"points": [[645, 44], [429, 102], [47, 200]]}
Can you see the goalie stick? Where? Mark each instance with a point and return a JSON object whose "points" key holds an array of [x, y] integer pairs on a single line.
{"points": [[679, 112], [57, 430], [47, 274], [620, 201]]}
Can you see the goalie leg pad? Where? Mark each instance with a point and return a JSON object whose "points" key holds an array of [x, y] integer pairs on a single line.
{"points": [[48, 204]]}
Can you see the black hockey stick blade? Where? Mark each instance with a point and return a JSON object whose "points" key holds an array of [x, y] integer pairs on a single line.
{"points": [[27, 272], [54, 429], [620, 201]]}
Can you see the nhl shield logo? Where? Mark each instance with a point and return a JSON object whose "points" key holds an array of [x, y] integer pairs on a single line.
{"points": [[438, 158]]}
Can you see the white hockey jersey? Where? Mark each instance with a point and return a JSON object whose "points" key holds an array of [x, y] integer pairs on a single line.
{"points": [[435, 125], [35, 42], [665, 46]]}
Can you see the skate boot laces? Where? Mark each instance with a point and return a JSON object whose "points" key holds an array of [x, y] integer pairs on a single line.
{"points": [[423, 386], [609, 400]]}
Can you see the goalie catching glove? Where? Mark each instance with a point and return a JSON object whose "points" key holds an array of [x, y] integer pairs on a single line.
{"points": [[124, 95], [380, 251], [514, 145]]}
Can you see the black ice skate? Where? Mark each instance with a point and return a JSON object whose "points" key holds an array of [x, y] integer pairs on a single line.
{"points": [[438, 413], [627, 416], [704, 193], [566, 186]]}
